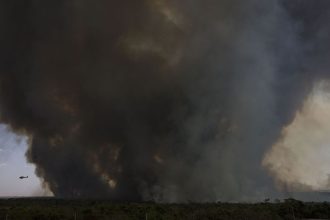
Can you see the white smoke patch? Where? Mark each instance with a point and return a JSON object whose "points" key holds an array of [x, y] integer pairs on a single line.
{"points": [[299, 161], [43, 191]]}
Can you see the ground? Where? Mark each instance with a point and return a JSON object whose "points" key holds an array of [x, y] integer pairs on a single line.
{"points": [[78, 209]]}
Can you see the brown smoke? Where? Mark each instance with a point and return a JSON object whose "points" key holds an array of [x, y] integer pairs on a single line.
{"points": [[155, 99]]}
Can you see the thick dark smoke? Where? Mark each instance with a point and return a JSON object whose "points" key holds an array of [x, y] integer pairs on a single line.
{"points": [[155, 99]]}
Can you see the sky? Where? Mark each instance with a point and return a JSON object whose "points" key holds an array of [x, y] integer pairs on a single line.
{"points": [[13, 164]]}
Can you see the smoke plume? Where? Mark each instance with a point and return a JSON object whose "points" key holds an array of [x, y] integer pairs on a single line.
{"points": [[154, 99], [299, 159]]}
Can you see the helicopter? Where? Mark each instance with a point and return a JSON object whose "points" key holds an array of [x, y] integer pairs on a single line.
{"points": [[23, 177]]}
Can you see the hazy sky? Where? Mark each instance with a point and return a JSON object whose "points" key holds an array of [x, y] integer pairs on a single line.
{"points": [[13, 164]]}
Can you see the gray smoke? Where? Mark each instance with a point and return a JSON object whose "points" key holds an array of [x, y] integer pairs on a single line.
{"points": [[154, 99]]}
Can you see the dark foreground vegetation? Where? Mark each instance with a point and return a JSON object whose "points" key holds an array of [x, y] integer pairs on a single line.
{"points": [[49, 208]]}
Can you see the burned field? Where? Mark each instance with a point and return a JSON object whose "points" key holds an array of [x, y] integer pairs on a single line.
{"points": [[50, 208]]}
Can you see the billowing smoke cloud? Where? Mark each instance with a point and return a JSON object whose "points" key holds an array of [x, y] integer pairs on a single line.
{"points": [[155, 99], [300, 158]]}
